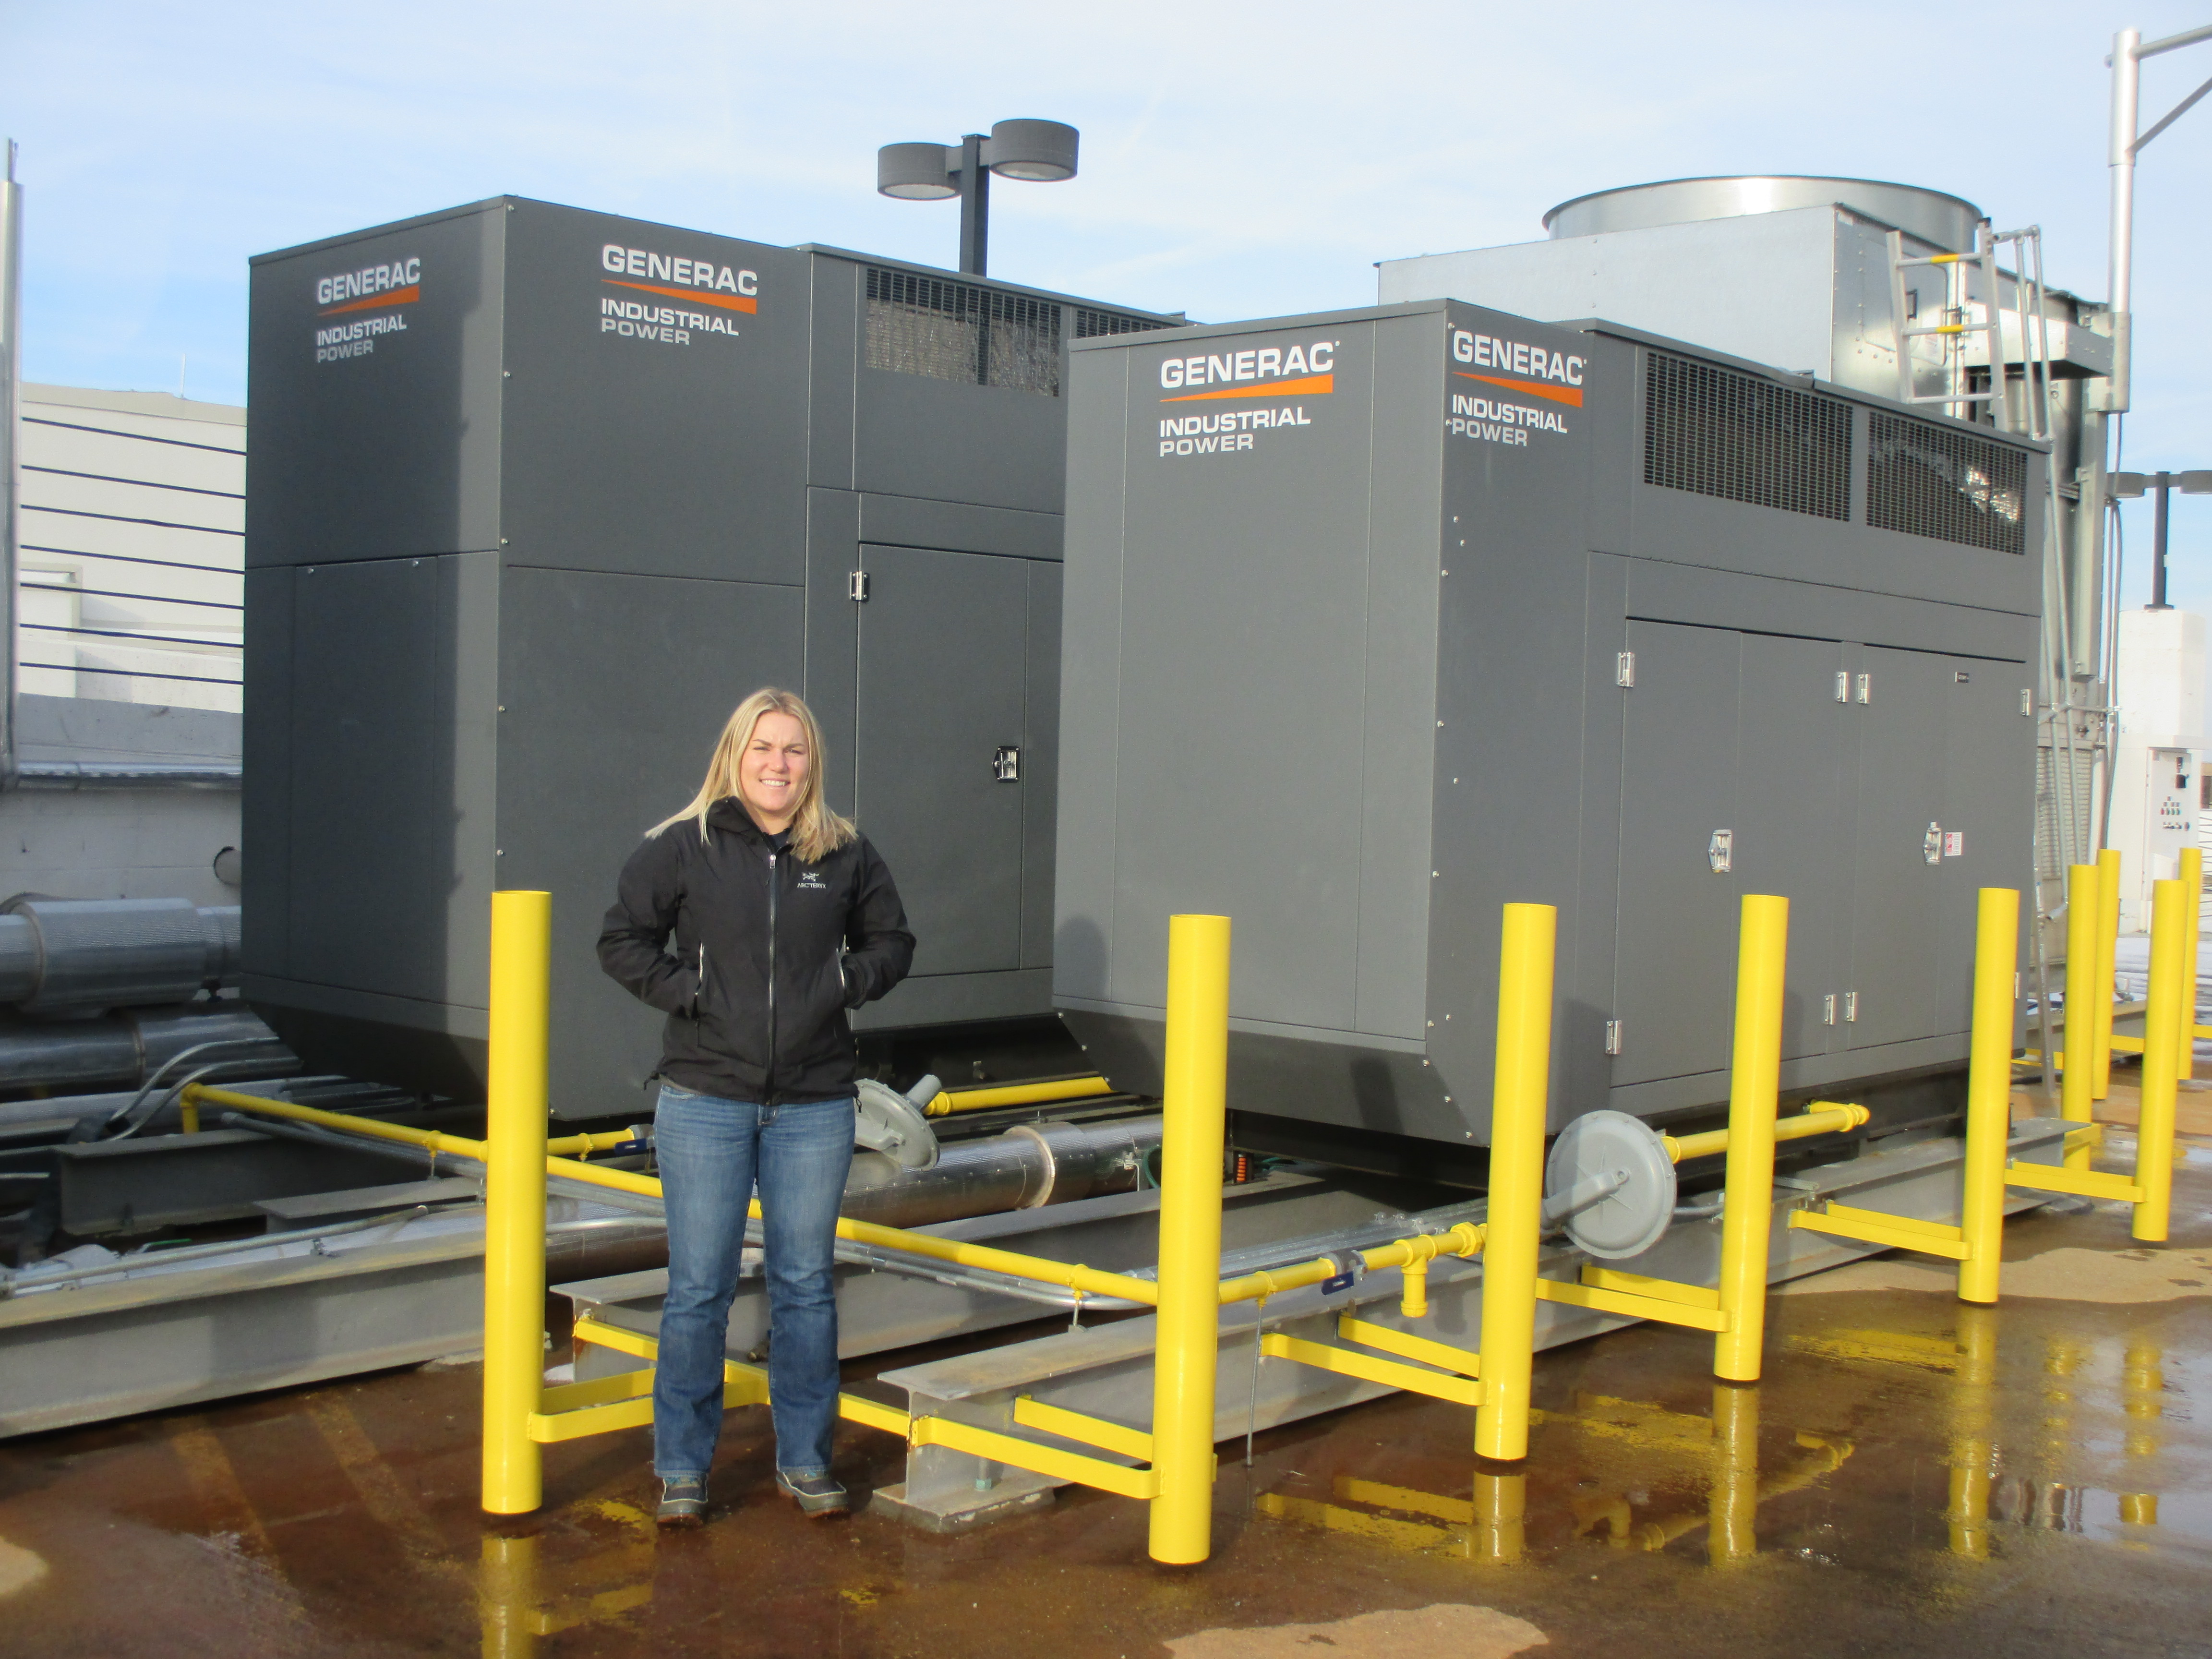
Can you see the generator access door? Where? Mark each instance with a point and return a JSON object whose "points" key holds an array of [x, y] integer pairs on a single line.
{"points": [[1731, 784], [946, 750]]}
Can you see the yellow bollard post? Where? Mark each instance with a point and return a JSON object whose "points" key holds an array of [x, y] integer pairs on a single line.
{"points": [[2108, 936], [2077, 1088], [2192, 877], [1732, 1505], [2161, 1049], [1755, 1090], [1519, 1100], [1989, 1095], [514, 1200], [1193, 1103]]}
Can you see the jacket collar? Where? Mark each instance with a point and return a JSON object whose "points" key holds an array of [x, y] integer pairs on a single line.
{"points": [[729, 814]]}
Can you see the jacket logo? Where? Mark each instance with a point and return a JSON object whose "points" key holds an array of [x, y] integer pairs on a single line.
{"points": [[811, 882]]}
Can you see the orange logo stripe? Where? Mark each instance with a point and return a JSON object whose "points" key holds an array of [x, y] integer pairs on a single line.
{"points": [[727, 301], [397, 296], [1313, 386], [1558, 394]]}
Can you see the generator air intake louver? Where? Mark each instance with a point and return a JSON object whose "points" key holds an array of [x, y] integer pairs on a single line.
{"points": [[958, 331], [1089, 325], [1927, 480], [1717, 432]]}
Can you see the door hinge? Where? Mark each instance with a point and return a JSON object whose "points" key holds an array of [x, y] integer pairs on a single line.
{"points": [[1007, 765], [1720, 852], [1624, 668], [1613, 1036], [1850, 1007], [1842, 685], [2027, 702], [856, 587], [1866, 688], [1828, 1009]]}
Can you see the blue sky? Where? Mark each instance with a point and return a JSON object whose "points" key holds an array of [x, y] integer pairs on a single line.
{"points": [[1238, 159]]}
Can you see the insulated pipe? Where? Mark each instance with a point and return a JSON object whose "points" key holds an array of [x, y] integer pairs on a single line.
{"points": [[1194, 1109], [1519, 1100], [2127, 80], [1755, 1084], [1989, 1095], [75, 1056], [2100, 988], [2077, 1084], [76, 956], [1028, 1166], [514, 1200], [2161, 1029]]}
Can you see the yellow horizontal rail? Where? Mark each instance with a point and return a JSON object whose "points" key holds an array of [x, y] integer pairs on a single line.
{"points": [[1141, 1484], [550, 1427], [1406, 1345], [1089, 1280], [596, 1391], [1821, 1118], [1872, 1227], [1464, 1239], [1667, 1290], [752, 1380], [1661, 1309], [1090, 1430], [1018, 1094], [1460, 1390], [2082, 1183]]}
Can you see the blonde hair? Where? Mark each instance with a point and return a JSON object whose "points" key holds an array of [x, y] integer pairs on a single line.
{"points": [[816, 830]]}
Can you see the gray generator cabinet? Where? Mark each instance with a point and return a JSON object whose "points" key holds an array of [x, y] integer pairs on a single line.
{"points": [[1378, 621], [538, 495]]}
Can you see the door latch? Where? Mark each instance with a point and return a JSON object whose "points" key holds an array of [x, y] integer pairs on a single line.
{"points": [[1624, 668], [1931, 844], [1720, 852], [1007, 765]]}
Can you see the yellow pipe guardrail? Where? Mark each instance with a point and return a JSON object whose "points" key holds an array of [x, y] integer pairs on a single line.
{"points": [[514, 1199], [1822, 1117], [2077, 1088], [1518, 1103], [2100, 1000], [1194, 1112], [1754, 1088], [1018, 1094]]}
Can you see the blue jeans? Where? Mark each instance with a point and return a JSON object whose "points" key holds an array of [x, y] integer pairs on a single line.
{"points": [[711, 1152]]}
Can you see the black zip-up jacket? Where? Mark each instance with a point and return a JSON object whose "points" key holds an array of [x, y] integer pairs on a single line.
{"points": [[770, 952]]}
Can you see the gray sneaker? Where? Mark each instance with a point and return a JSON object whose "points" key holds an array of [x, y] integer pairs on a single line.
{"points": [[815, 1494], [683, 1503]]}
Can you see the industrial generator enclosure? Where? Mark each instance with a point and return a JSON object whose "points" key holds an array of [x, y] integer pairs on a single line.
{"points": [[538, 495], [1377, 621]]}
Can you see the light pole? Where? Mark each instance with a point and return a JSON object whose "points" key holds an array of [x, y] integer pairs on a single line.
{"points": [[2131, 486], [2128, 50], [1041, 152]]}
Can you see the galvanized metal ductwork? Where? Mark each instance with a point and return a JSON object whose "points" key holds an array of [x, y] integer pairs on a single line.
{"points": [[66, 958]]}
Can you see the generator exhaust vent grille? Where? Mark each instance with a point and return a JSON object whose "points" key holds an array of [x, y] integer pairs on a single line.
{"points": [[961, 331], [1927, 480], [1089, 325], [1714, 431]]}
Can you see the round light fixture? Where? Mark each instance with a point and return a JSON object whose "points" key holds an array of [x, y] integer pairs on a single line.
{"points": [[1042, 152], [915, 172]]}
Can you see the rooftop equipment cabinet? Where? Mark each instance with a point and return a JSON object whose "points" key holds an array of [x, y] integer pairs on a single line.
{"points": [[538, 495], [1378, 620]]}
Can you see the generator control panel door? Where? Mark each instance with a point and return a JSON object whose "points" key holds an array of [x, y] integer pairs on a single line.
{"points": [[943, 656]]}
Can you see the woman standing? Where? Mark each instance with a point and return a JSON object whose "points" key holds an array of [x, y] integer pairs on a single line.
{"points": [[755, 919]]}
